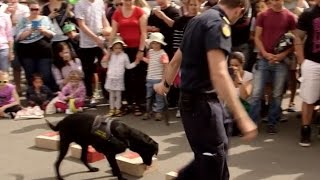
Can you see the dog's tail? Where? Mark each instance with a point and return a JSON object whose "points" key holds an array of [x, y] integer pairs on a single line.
{"points": [[54, 128]]}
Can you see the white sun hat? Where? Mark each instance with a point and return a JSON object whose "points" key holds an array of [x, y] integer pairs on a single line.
{"points": [[118, 39], [156, 37]]}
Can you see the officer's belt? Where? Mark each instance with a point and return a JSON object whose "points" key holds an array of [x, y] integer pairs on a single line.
{"points": [[101, 127], [200, 96]]}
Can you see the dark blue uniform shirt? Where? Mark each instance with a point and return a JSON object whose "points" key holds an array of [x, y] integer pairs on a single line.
{"points": [[203, 33]]}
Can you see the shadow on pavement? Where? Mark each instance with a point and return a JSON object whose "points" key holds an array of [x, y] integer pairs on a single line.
{"points": [[30, 128], [17, 176], [177, 146], [40, 149], [275, 156]]}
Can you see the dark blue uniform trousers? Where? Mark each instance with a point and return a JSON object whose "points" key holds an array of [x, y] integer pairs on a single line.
{"points": [[206, 125]]}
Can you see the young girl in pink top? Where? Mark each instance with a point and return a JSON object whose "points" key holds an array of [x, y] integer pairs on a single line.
{"points": [[74, 91], [9, 98]]}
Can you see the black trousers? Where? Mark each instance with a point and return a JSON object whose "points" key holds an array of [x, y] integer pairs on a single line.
{"points": [[205, 122], [135, 80], [15, 109], [87, 57]]}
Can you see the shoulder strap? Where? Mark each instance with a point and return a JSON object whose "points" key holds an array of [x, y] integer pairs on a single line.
{"points": [[64, 17], [109, 122]]}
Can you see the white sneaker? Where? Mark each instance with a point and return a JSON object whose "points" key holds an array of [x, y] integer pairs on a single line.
{"points": [[93, 101], [178, 115], [68, 111]]}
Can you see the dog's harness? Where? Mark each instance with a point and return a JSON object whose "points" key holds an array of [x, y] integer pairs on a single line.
{"points": [[102, 127]]}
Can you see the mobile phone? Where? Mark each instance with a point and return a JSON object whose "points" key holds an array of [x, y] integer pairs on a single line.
{"points": [[35, 24], [231, 72]]}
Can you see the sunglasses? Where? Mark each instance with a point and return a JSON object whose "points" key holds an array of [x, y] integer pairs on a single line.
{"points": [[3, 82], [118, 4], [34, 9]]}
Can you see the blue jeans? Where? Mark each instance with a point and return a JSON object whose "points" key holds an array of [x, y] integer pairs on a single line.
{"points": [[153, 97], [278, 75], [41, 66], [4, 59]]}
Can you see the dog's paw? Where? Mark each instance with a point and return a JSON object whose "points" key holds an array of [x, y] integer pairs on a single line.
{"points": [[94, 169]]}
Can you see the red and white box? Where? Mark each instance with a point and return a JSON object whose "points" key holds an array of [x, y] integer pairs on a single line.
{"points": [[92, 155], [171, 175], [49, 140], [131, 163]]}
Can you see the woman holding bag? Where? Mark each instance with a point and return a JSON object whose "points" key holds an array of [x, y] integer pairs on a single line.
{"points": [[59, 11]]}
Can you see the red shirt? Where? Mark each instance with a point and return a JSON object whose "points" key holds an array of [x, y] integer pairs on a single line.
{"points": [[274, 25], [129, 27]]}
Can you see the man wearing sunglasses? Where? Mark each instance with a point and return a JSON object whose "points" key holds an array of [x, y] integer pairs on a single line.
{"points": [[202, 59]]}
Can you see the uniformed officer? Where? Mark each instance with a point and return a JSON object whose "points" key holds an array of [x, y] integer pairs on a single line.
{"points": [[204, 74]]}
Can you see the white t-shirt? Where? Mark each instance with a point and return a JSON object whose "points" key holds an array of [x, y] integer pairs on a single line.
{"points": [[92, 13], [118, 63], [247, 76]]}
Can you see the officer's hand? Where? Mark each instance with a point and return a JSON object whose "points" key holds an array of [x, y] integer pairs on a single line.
{"points": [[160, 88], [248, 129]]}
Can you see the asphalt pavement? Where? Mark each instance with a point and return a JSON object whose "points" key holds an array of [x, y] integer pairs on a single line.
{"points": [[269, 157]]}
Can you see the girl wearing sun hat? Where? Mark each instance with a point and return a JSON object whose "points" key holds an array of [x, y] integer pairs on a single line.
{"points": [[116, 64], [157, 60]]}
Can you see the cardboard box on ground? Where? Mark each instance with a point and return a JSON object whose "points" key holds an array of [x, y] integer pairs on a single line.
{"points": [[49, 140], [131, 163], [171, 175]]}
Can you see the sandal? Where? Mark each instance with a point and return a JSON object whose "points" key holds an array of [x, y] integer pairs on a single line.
{"points": [[137, 111], [118, 113]]}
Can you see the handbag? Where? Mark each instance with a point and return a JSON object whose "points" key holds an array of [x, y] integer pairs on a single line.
{"points": [[285, 42]]}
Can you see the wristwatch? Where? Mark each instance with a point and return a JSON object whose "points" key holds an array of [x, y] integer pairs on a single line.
{"points": [[165, 83]]}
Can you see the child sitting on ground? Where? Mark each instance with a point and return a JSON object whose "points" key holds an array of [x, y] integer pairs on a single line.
{"points": [[73, 93], [9, 98], [117, 64], [157, 60], [38, 94]]}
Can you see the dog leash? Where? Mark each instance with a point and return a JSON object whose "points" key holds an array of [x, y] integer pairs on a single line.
{"points": [[166, 110]]}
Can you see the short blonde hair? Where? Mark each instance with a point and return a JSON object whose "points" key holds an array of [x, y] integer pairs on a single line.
{"points": [[141, 3], [75, 75]]}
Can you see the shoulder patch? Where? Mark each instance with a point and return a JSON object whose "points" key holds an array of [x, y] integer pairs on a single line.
{"points": [[226, 31]]}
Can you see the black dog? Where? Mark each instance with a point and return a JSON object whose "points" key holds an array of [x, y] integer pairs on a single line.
{"points": [[78, 128]]}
